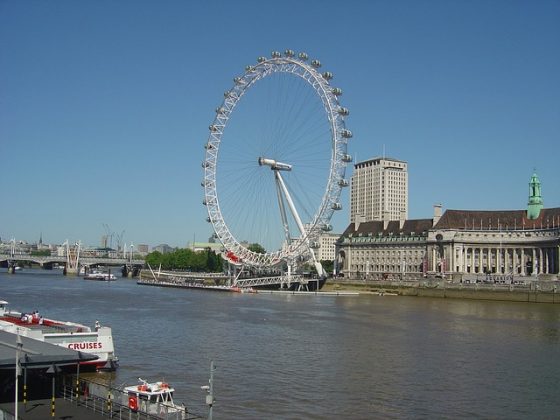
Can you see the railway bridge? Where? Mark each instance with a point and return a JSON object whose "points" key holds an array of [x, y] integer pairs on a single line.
{"points": [[72, 262]]}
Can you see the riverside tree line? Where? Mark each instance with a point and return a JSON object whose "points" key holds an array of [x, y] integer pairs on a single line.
{"points": [[206, 260], [186, 259]]}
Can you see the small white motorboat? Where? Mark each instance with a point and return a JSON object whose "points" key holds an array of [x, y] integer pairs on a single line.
{"points": [[154, 398]]}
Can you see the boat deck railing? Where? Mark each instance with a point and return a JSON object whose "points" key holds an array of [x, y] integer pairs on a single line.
{"points": [[110, 402]]}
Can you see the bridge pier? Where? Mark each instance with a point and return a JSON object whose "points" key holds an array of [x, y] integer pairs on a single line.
{"points": [[11, 268], [130, 271], [70, 271]]}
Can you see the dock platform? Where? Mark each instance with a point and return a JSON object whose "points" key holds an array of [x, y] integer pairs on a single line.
{"points": [[41, 410]]}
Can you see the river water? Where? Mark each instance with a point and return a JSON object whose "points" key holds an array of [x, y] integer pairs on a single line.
{"points": [[318, 357]]}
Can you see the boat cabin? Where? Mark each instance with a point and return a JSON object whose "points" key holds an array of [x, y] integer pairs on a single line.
{"points": [[152, 398]]}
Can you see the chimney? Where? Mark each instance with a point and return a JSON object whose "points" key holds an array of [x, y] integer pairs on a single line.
{"points": [[437, 214], [402, 219], [386, 219], [359, 219]]}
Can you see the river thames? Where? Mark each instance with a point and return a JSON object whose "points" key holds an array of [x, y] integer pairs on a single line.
{"points": [[318, 357]]}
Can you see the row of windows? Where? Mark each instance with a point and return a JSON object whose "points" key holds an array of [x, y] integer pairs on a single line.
{"points": [[390, 253], [387, 261]]}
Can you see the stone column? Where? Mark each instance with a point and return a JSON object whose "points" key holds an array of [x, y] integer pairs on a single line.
{"points": [[522, 261], [480, 259], [499, 260], [557, 261]]}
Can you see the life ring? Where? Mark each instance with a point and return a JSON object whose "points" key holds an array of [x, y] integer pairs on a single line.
{"points": [[133, 403]]}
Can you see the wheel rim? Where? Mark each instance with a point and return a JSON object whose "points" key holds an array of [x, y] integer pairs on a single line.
{"points": [[220, 182]]}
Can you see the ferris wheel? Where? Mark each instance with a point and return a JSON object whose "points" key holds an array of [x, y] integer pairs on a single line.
{"points": [[274, 169]]}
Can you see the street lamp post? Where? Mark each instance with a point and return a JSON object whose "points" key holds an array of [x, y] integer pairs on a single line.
{"points": [[19, 346], [210, 389]]}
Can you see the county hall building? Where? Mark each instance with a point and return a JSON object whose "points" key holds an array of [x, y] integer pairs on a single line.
{"points": [[454, 244]]}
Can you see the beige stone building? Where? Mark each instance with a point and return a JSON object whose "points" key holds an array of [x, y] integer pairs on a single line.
{"points": [[327, 246], [457, 244], [383, 249], [495, 242], [379, 190]]}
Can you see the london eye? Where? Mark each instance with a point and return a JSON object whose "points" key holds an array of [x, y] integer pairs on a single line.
{"points": [[275, 162]]}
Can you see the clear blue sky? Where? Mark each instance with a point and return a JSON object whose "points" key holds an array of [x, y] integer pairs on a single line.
{"points": [[105, 105]]}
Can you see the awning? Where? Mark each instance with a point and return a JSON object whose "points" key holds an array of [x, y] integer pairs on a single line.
{"points": [[37, 354]]}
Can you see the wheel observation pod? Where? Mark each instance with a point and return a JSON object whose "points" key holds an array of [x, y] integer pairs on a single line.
{"points": [[275, 161]]}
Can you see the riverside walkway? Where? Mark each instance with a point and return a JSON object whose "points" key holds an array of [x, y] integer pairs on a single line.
{"points": [[41, 410]]}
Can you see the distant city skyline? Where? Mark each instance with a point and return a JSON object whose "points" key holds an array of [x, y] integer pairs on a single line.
{"points": [[105, 106]]}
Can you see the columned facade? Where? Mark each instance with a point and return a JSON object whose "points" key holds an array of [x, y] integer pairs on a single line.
{"points": [[467, 242], [502, 259], [461, 242]]}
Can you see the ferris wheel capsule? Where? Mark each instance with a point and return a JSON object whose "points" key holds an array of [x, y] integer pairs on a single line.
{"points": [[261, 59], [336, 206], [347, 134], [276, 54], [337, 91], [249, 69], [303, 56], [326, 227], [289, 53], [316, 63], [343, 183], [347, 158], [327, 75], [343, 111]]}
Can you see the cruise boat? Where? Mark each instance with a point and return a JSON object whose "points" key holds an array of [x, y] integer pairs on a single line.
{"points": [[100, 275], [98, 341], [155, 399]]}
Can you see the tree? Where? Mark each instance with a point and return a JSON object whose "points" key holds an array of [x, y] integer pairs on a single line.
{"points": [[41, 253], [186, 259], [328, 265], [154, 258], [258, 248]]}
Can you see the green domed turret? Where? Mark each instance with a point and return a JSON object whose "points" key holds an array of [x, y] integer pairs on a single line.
{"points": [[535, 204]]}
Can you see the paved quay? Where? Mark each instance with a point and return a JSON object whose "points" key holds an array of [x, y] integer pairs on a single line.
{"points": [[41, 410]]}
